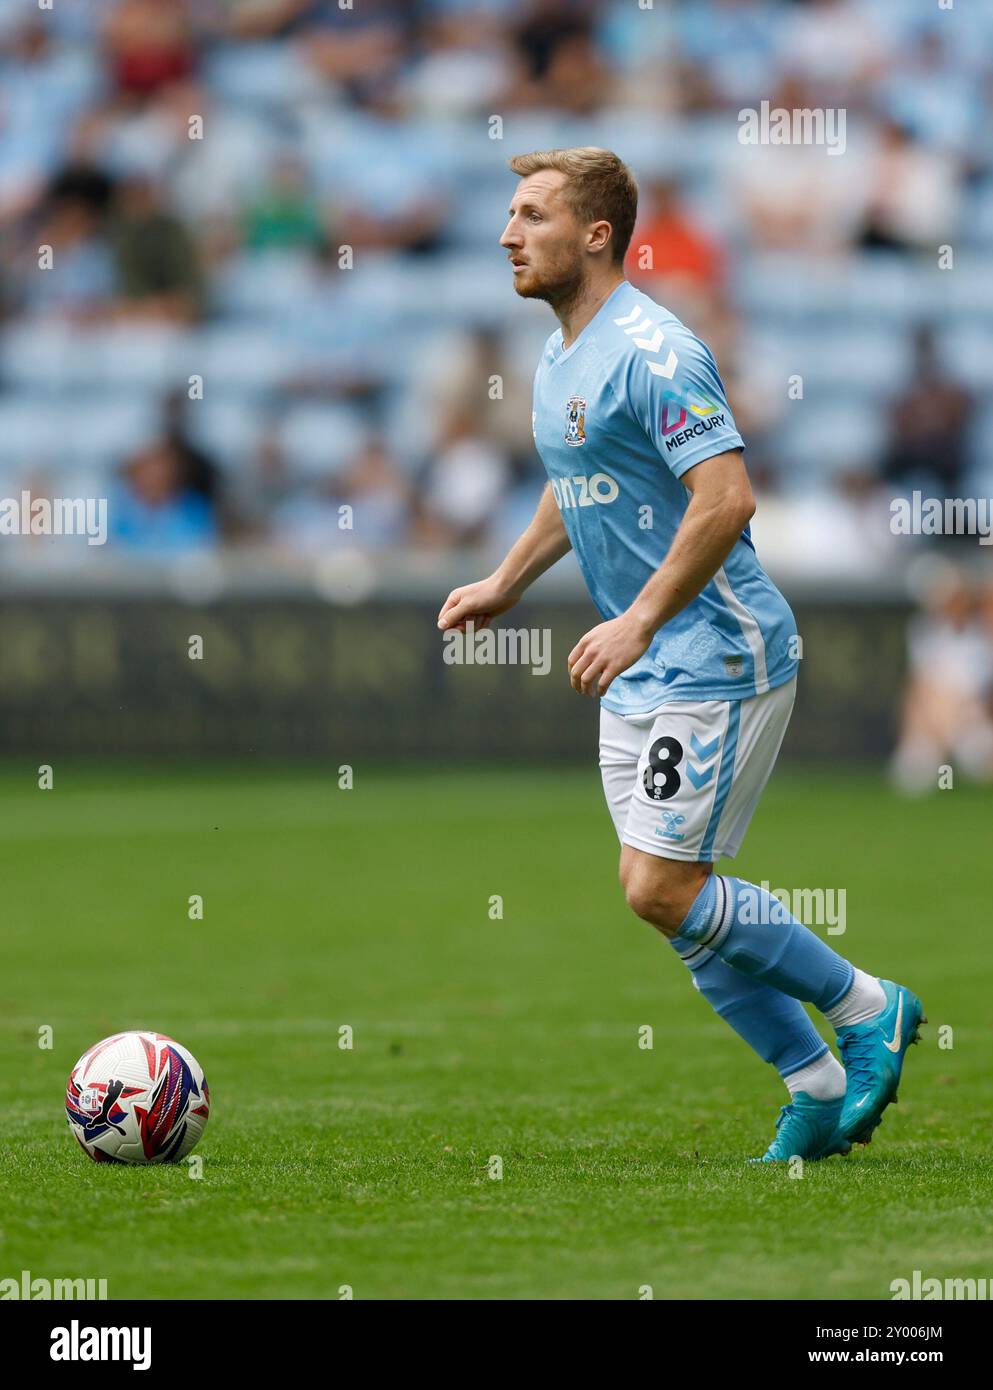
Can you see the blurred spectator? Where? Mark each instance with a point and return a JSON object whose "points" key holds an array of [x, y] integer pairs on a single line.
{"points": [[729, 51], [155, 510], [840, 530], [362, 48], [462, 486], [200, 473], [946, 714], [912, 202], [368, 127], [285, 215], [483, 383], [547, 26], [929, 425], [797, 196], [834, 46], [44, 85], [263, 19], [668, 249], [559, 65], [368, 506], [927, 89], [81, 279], [157, 259], [463, 66], [388, 188], [148, 43]]}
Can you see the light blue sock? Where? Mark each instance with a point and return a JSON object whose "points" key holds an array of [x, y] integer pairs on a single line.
{"points": [[773, 1024], [753, 932]]}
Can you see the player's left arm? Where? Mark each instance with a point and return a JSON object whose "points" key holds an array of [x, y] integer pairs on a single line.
{"points": [[720, 506]]}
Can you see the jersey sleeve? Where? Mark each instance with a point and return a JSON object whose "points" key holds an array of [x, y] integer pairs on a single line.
{"points": [[675, 392]]}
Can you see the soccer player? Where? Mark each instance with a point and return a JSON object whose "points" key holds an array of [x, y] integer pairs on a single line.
{"points": [[695, 661]]}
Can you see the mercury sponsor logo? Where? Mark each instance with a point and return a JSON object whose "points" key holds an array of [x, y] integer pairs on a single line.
{"points": [[76, 1343], [701, 427]]}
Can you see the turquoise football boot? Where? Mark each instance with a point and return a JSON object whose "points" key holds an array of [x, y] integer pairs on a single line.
{"points": [[806, 1128], [872, 1053]]}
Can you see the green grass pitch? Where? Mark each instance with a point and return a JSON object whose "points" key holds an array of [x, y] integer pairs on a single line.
{"points": [[324, 1167]]}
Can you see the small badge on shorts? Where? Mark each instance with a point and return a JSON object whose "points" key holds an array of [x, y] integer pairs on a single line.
{"points": [[734, 665]]}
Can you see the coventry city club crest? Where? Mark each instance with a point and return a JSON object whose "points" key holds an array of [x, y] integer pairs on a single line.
{"points": [[575, 421]]}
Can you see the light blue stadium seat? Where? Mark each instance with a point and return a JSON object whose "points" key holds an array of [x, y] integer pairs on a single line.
{"points": [[861, 289], [263, 285], [30, 432], [474, 287], [966, 352], [320, 439], [981, 449], [265, 74], [228, 429], [100, 432], [95, 433], [244, 358], [121, 357], [478, 218], [812, 442], [864, 361], [968, 289]]}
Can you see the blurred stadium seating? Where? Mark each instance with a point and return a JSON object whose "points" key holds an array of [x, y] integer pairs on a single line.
{"points": [[222, 257]]}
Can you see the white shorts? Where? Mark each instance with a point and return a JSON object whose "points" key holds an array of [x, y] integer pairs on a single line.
{"points": [[683, 781]]}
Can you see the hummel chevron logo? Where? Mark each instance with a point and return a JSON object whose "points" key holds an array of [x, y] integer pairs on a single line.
{"points": [[894, 1046], [702, 751], [639, 322]]}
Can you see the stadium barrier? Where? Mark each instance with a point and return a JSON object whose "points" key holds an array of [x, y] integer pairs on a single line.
{"points": [[287, 673]]}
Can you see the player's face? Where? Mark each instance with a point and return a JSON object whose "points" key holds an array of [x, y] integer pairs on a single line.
{"points": [[543, 240]]}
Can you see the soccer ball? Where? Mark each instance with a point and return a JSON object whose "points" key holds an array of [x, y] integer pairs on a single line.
{"points": [[137, 1098]]}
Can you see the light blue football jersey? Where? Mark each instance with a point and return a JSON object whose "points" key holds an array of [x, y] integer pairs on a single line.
{"points": [[619, 417]]}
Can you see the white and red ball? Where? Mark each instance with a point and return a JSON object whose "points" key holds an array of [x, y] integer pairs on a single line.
{"points": [[137, 1098]]}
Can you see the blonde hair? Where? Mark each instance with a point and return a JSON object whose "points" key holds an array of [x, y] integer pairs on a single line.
{"points": [[600, 187]]}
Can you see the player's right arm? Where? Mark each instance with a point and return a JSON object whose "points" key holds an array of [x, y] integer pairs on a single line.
{"points": [[544, 542]]}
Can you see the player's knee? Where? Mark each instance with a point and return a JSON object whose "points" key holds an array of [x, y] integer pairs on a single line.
{"points": [[658, 897]]}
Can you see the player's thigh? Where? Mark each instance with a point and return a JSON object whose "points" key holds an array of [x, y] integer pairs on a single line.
{"points": [[621, 744], [763, 725], [700, 774]]}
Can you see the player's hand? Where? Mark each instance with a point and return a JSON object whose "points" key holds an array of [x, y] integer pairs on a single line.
{"points": [[605, 652], [480, 603]]}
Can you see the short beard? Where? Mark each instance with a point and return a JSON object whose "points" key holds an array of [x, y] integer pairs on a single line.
{"points": [[561, 293]]}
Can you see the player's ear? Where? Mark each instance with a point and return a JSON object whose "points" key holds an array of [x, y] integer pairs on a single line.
{"points": [[599, 236]]}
